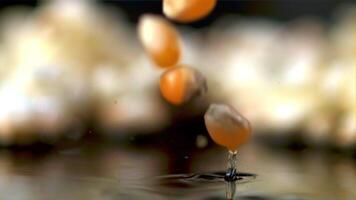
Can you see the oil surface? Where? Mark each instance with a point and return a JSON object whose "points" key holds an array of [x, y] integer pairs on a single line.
{"points": [[160, 170]]}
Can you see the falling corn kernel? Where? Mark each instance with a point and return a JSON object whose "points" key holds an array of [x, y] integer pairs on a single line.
{"points": [[187, 10], [226, 126], [160, 40], [180, 84]]}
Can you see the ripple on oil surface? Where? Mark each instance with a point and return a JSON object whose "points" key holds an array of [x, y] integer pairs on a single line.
{"points": [[202, 178]]}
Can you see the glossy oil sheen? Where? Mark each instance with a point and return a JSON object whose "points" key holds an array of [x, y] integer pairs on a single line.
{"points": [[160, 170]]}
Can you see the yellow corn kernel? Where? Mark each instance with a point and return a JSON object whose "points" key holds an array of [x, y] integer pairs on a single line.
{"points": [[226, 126], [187, 10], [180, 84], [160, 40]]}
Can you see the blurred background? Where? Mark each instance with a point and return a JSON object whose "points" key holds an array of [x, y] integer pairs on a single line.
{"points": [[81, 115]]}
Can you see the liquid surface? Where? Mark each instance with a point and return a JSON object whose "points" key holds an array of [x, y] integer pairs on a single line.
{"points": [[208, 177], [159, 168]]}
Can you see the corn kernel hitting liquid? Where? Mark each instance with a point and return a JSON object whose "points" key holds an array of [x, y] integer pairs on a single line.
{"points": [[226, 126]]}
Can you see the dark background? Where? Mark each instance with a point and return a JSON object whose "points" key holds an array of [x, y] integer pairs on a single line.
{"points": [[282, 10]]}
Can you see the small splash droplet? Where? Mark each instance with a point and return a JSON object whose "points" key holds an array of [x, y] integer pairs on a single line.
{"points": [[231, 175]]}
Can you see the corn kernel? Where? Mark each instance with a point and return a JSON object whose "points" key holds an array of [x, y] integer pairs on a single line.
{"points": [[180, 84], [187, 10], [226, 126], [160, 40]]}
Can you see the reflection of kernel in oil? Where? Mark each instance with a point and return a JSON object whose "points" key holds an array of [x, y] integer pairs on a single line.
{"points": [[160, 40], [180, 84]]}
